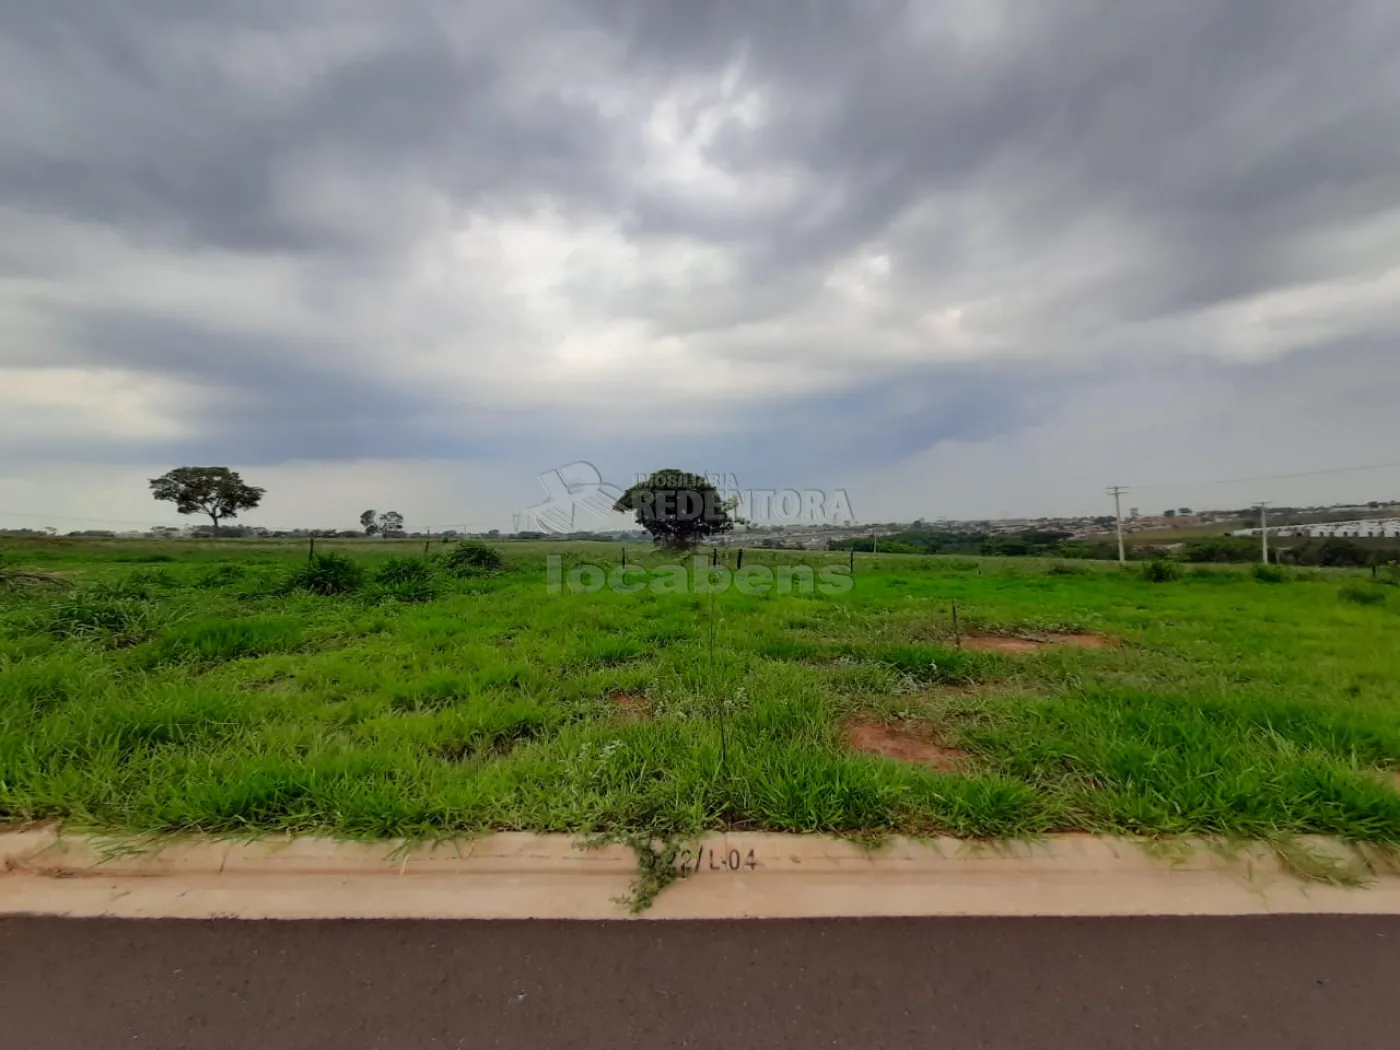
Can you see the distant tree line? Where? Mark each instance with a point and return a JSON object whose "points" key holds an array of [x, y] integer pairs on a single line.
{"points": [[1027, 543], [1048, 543]]}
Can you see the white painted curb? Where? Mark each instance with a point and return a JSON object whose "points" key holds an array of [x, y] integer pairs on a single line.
{"points": [[741, 875]]}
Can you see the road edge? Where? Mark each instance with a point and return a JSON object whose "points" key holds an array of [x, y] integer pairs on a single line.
{"points": [[514, 875]]}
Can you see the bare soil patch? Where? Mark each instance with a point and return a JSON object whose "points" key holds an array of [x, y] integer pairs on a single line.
{"points": [[906, 742], [991, 643], [995, 643], [631, 706]]}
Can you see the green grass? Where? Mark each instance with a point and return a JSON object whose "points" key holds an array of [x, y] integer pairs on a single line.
{"points": [[205, 685]]}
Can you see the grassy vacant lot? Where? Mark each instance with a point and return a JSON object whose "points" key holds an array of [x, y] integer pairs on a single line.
{"points": [[183, 686]]}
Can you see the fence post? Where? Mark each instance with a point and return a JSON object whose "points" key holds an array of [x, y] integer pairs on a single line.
{"points": [[311, 553]]}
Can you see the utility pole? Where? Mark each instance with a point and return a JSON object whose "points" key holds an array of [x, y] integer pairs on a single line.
{"points": [[1264, 527], [1116, 491]]}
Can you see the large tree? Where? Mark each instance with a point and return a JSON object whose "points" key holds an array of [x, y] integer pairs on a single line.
{"points": [[678, 508], [215, 491]]}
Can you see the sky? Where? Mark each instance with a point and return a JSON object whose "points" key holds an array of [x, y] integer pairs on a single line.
{"points": [[956, 258]]}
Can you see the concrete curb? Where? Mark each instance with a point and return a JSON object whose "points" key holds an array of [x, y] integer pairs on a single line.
{"points": [[740, 875]]}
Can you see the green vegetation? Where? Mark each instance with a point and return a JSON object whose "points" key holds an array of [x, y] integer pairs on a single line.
{"points": [[327, 574], [1197, 545], [471, 557], [228, 685]]}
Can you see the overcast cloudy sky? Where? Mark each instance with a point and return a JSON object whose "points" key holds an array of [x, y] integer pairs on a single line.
{"points": [[958, 257]]}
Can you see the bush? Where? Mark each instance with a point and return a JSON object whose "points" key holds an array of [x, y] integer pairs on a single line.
{"points": [[1270, 574], [327, 574], [1361, 595], [469, 557], [1160, 571], [398, 571], [1220, 549]]}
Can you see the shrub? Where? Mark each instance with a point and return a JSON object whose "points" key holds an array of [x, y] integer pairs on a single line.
{"points": [[1270, 574], [327, 574], [1220, 549], [469, 557], [1160, 571], [397, 571], [1361, 595]]}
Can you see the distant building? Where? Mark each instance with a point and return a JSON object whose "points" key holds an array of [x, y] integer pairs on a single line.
{"points": [[1363, 529]]}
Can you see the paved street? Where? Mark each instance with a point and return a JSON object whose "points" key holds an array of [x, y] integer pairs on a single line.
{"points": [[1266, 982]]}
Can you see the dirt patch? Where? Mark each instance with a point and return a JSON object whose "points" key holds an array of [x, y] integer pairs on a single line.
{"points": [[991, 643], [906, 742], [631, 707], [1084, 641], [996, 643]]}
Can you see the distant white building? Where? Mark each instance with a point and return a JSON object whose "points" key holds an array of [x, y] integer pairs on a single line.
{"points": [[1363, 529]]}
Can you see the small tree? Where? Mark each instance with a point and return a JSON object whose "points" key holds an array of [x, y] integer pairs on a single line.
{"points": [[215, 491], [367, 523], [677, 508]]}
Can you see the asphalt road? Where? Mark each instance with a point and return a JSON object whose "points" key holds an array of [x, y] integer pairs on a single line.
{"points": [[1265, 982]]}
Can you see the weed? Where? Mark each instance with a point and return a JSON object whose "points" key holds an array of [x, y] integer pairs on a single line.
{"points": [[409, 592], [327, 574], [1361, 595], [404, 570], [220, 576], [218, 641], [91, 614], [1160, 571], [469, 557]]}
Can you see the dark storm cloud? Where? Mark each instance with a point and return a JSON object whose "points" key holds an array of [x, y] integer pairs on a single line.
{"points": [[175, 119], [1083, 166]]}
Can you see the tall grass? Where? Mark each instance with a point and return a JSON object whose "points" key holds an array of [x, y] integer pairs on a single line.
{"points": [[203, 693]]}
